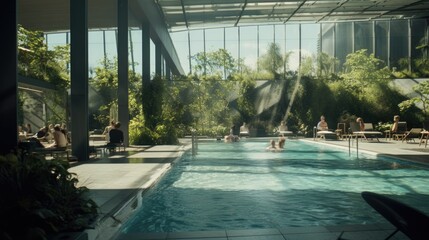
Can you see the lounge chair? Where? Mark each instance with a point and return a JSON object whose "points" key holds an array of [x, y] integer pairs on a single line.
{"points": [[399, 134], [285, 133], [413, 133], [368, 133], [244, 134], [410, 221], [326, 135], [341, 130]]}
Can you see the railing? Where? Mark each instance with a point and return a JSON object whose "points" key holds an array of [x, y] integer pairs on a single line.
{"points": [[194, 140], [350, 138]]}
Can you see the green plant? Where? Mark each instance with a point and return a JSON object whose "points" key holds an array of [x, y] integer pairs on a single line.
{"points": [[40, 198], [383, 126]]}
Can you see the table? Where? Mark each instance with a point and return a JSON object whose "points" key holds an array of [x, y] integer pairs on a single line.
{"points": [[425, 135]]}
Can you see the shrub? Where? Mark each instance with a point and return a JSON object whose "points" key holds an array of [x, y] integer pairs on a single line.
{"points": [[40, 198]]}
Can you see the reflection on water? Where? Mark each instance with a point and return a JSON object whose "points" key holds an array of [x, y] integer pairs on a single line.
{"points": [[242, 186]]}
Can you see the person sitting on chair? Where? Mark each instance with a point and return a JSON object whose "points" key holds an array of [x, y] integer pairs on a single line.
{"points": [[395, 124], [116, 136], [282, 127], [322, 125], [361, 123], [60, 139], [107, 130]]}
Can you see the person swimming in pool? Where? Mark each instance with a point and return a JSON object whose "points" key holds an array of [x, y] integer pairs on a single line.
{"points": [[273, 146]]}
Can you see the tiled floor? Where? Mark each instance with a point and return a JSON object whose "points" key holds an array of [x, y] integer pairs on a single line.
{"points": [[117, 181], [350, 232]]}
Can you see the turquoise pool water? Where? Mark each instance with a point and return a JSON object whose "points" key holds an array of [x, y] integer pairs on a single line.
{"points": [[242, 186]]}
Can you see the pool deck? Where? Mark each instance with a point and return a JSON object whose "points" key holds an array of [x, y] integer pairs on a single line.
{"points": [[116, 182]]}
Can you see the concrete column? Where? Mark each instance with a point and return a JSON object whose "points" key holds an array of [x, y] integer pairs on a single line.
{"points": [[123, 111], [79, 78], [8, 76], [158, 60], [146, 53], [167, 70]]}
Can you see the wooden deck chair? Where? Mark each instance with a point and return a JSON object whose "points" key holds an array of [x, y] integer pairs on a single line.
{"points": [[412, 134]]}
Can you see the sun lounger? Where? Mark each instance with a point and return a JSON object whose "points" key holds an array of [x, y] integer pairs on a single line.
{"points": [[244, 134], [412, 134], [326, 135], [368, 133], [286, 133]]}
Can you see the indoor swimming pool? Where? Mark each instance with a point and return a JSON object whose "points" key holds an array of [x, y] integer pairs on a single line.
{"points": [[241, 185]]}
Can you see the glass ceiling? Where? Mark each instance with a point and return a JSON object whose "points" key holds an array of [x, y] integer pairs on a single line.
{"points": [[194, 14]]}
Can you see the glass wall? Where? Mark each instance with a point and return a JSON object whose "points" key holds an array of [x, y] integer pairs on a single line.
{"points": [[197, 44], [419, 31], [382, 41], [266, 37], [344, 41], [292, 46], [135, 46], [394, 42], [399, 44], [364, 36], [310, 34], [182, 49], [249, 46], [328, 39]]}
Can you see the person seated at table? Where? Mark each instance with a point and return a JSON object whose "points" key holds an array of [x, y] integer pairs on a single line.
{"points": [[107, 130], [60, 139], [116, 136], [43, 134], [28, 128], [22, 135], [361, 123], [322, 125], [244, 130]]}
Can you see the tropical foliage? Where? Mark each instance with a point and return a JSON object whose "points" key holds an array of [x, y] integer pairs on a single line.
{"points": [[40, 198], [422, 98], [222, 92], [36, 61]]}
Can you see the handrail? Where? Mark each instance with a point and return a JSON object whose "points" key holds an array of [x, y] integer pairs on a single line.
{"points": [[357, 145], [194, 141]]}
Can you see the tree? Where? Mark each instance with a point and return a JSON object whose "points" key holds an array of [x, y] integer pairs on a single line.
{"points": [[273, 60], [36, 61], [361, 70], [326, 65], [422, 89], [216, 63]]}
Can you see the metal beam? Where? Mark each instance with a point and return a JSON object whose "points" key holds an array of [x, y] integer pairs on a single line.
{"points": [[148, 11], [295, 11], [241, 13], [184, 14]]}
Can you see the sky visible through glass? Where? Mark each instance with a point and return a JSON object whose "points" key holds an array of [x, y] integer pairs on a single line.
{"points": [[286, 36]]}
